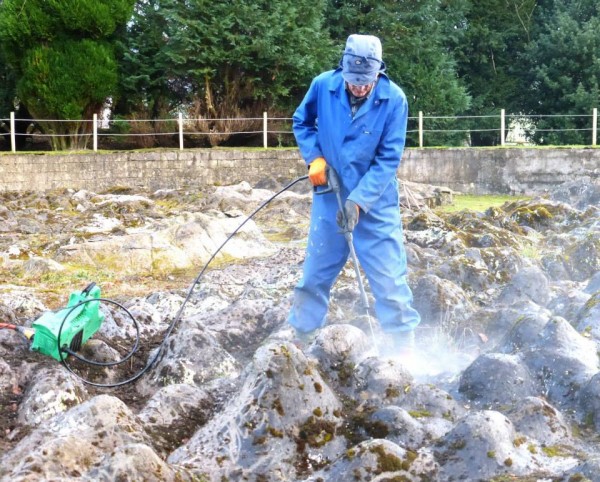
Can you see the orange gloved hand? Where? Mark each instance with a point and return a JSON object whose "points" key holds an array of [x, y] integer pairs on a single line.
{"points": [[316, 172]]}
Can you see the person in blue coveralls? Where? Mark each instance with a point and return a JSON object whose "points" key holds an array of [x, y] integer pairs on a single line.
{"points": [[353, 119]]}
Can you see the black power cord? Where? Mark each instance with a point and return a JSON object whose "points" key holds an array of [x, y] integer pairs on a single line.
{"points": [[171, 326]]}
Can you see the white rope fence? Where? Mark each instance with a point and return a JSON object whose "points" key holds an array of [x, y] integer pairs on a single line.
{"points": [[185, 125]]}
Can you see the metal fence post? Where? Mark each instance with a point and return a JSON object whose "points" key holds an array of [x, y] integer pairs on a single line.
{"points": [[594, 126], [13, 143], [95, 131], [265, 144], [420, 128], [180, 121]]}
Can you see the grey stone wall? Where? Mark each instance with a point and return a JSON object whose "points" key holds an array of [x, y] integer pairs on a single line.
{"points": [[469, 170], [500, 170], [163, 169]]}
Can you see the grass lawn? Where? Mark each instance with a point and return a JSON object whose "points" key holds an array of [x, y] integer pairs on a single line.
{"points": [[477, 203]]}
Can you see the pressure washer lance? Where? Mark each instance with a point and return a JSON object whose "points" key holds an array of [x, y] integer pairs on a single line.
{"points": [[334, 184]]}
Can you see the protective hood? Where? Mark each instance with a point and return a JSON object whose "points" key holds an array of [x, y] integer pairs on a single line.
{"points": [[362, 59]]}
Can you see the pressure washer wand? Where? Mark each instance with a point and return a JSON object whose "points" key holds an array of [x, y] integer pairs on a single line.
{"points": [[334, 184]]}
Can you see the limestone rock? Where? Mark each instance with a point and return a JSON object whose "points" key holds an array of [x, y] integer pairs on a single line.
{"points": [[53, 391], [496, 379], [383, 459], [482, 446], [194, 359], [540, 421], [70, 444], [284, 416], [173, 414]]}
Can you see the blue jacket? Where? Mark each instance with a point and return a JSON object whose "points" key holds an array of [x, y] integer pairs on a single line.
{"points": [[364, 150]]}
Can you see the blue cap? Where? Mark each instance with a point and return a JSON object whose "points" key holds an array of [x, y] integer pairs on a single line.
{"points": [[362, 59]]}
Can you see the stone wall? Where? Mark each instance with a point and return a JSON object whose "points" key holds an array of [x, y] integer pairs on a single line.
{"points": [[500, 170], [161, 169], [469, 170]]}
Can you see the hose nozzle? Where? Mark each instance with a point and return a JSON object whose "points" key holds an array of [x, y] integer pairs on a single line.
{"points": [[26, 332]]}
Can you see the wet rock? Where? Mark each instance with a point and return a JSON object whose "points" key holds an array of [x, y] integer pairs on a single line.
{"points": [[52, 391], [441, 302], [567, 300], [519, 323], [482, 446], [588, 318], [589, 402], [540, 421], [496, 379], [582, 259], [194, 358], [528, 320], [375, 381], [380, 458], [284, 416], [339, 347], [561, 360], [587, 471], [70, 444], [468, 270], [425, 401], [594, 284], [173, 414], [580, 193], [528, 284], [242, 325], [134, 462], [119, 324], [396, 425], [8, 378]]}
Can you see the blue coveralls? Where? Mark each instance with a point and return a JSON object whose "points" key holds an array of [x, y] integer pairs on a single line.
{"points": [[365, 151]]}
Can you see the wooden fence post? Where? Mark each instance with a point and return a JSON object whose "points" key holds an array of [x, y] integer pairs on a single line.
{"points": [[95, 132], [502, 126], [180, 121], [594, 126], [420, 128], [265, 143]]}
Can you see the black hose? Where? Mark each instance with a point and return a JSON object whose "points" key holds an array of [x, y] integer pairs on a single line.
{"points": [[173, 323]]}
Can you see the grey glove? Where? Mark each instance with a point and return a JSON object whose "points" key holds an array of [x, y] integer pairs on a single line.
{"points": [[351, 210]]}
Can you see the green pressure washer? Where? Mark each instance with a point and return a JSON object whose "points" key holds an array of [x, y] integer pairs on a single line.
{"points": [[72, 326]]}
